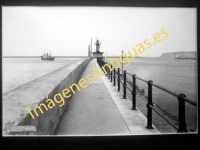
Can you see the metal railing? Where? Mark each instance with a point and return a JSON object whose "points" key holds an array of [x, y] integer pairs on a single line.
{"points": [[180, 97]]}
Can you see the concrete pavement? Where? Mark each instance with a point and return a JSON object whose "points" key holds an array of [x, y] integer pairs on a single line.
{"points": [[100, 110]]}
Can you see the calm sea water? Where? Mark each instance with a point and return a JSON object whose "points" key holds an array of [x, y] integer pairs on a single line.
{"points": [[18, 71], [177, 75]]}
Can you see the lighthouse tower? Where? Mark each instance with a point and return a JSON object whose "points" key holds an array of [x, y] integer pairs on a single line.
{"points": [[97, 45], [97, 54]]}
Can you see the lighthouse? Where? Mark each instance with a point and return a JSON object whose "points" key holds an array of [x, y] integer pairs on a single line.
{"points": [[97, 45], [97, 54]]}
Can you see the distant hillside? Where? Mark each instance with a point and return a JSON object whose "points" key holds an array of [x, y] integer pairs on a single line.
{"points": [[179, 54]]}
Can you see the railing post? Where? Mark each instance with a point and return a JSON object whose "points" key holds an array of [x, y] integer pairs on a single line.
{"points": [[118, 79], [149, 110], [134, 93], [107, 75], [114, 77], [182, 123], [124, 93], [111, 74]]}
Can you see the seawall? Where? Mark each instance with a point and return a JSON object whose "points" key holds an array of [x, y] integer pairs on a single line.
{"points": [[30, 95]]}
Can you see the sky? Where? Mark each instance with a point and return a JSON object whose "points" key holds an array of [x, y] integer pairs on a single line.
{"points": [[67, 31]]}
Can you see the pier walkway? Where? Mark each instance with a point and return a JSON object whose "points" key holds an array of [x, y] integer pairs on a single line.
{"points": [[99, 109]]}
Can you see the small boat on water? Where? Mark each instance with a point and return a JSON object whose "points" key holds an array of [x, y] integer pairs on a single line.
{"points": [[47, 57]]}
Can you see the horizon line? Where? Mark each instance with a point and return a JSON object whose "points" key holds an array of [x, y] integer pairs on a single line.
{"points": [[70, 56]]}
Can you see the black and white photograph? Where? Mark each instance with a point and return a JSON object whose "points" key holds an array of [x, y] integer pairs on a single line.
{"points": [[99, 71]]}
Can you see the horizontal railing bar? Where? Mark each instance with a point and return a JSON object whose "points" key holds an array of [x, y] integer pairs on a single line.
{"points": [[163, 117], [190, 101], [175, 94], [128, 73], [128, 88], [166, 90], [141, 79]]}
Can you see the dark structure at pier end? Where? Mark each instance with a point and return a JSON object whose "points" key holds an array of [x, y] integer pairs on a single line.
{"points": [[98, 54]]}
